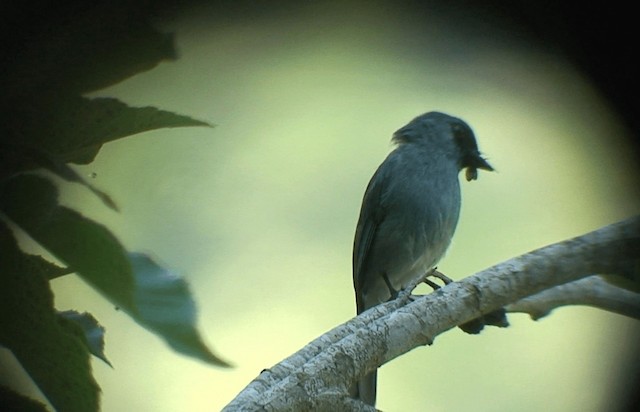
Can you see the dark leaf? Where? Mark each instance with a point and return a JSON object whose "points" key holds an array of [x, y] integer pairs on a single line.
{"points": [[154, 297], [71, 128], [48, 269], [164, 305], [56, 359], [12, 401], [16, 159], [78, 46], [86, 247], [93, 332]]}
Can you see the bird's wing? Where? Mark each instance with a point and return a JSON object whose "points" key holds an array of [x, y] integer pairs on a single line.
{"points": [[371, 215]]}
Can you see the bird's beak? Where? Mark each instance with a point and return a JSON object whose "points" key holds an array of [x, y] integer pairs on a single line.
{"points": [[478, 162], [483, 164]]}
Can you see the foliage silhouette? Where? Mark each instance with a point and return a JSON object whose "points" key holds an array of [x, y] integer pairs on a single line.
{"points": [[61, 52]]}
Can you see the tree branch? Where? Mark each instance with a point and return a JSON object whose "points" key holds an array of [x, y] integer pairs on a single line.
{"points": [[592, 291], [318, 376]]}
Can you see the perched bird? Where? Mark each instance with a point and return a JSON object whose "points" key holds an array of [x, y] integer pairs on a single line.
{"points": [[409, 213]]}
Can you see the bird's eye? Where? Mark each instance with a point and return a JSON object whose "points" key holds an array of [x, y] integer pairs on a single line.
{"points": [[464, 137]]}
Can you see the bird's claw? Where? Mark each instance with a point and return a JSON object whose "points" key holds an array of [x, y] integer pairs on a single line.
{"points": [[436, 274], [392, 291], [403, 295]]}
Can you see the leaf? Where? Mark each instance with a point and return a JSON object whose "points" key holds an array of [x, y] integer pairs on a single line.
{"points": [[52, 355], [79, 46], [13, 401], [85, 246], [93, 332], [71, 128], [48, 269], [16, 159], [164, 305], [154, 297]]}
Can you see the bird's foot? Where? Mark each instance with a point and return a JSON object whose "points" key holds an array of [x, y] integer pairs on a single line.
{"points": [[496, 318], [403, 295], [392, 291], [436, 274]]}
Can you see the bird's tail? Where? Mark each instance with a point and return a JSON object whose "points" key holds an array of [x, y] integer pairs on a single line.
{"points": [[496, 318]]}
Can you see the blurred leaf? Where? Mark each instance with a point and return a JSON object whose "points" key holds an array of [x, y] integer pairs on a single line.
{"points": [[154, 297], [165, 306], [93, 332], [55, 359], [73, 129], [17, 159], [48, 269], [12, 401], [78, 46], [86, 247]]}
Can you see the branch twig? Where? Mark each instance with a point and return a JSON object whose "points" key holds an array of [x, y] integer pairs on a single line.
{"points": [[592, 291]]}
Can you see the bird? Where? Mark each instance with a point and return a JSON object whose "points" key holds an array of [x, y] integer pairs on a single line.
{"points": [[409, 214]]}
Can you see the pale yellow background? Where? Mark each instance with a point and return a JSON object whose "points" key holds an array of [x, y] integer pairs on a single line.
{"points": [[259, 212]]}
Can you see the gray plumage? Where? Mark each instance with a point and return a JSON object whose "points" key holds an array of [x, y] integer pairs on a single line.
{"points": [[410, 211]]}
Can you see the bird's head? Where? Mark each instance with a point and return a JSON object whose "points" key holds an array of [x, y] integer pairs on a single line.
{"points": [[439, 131]]}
